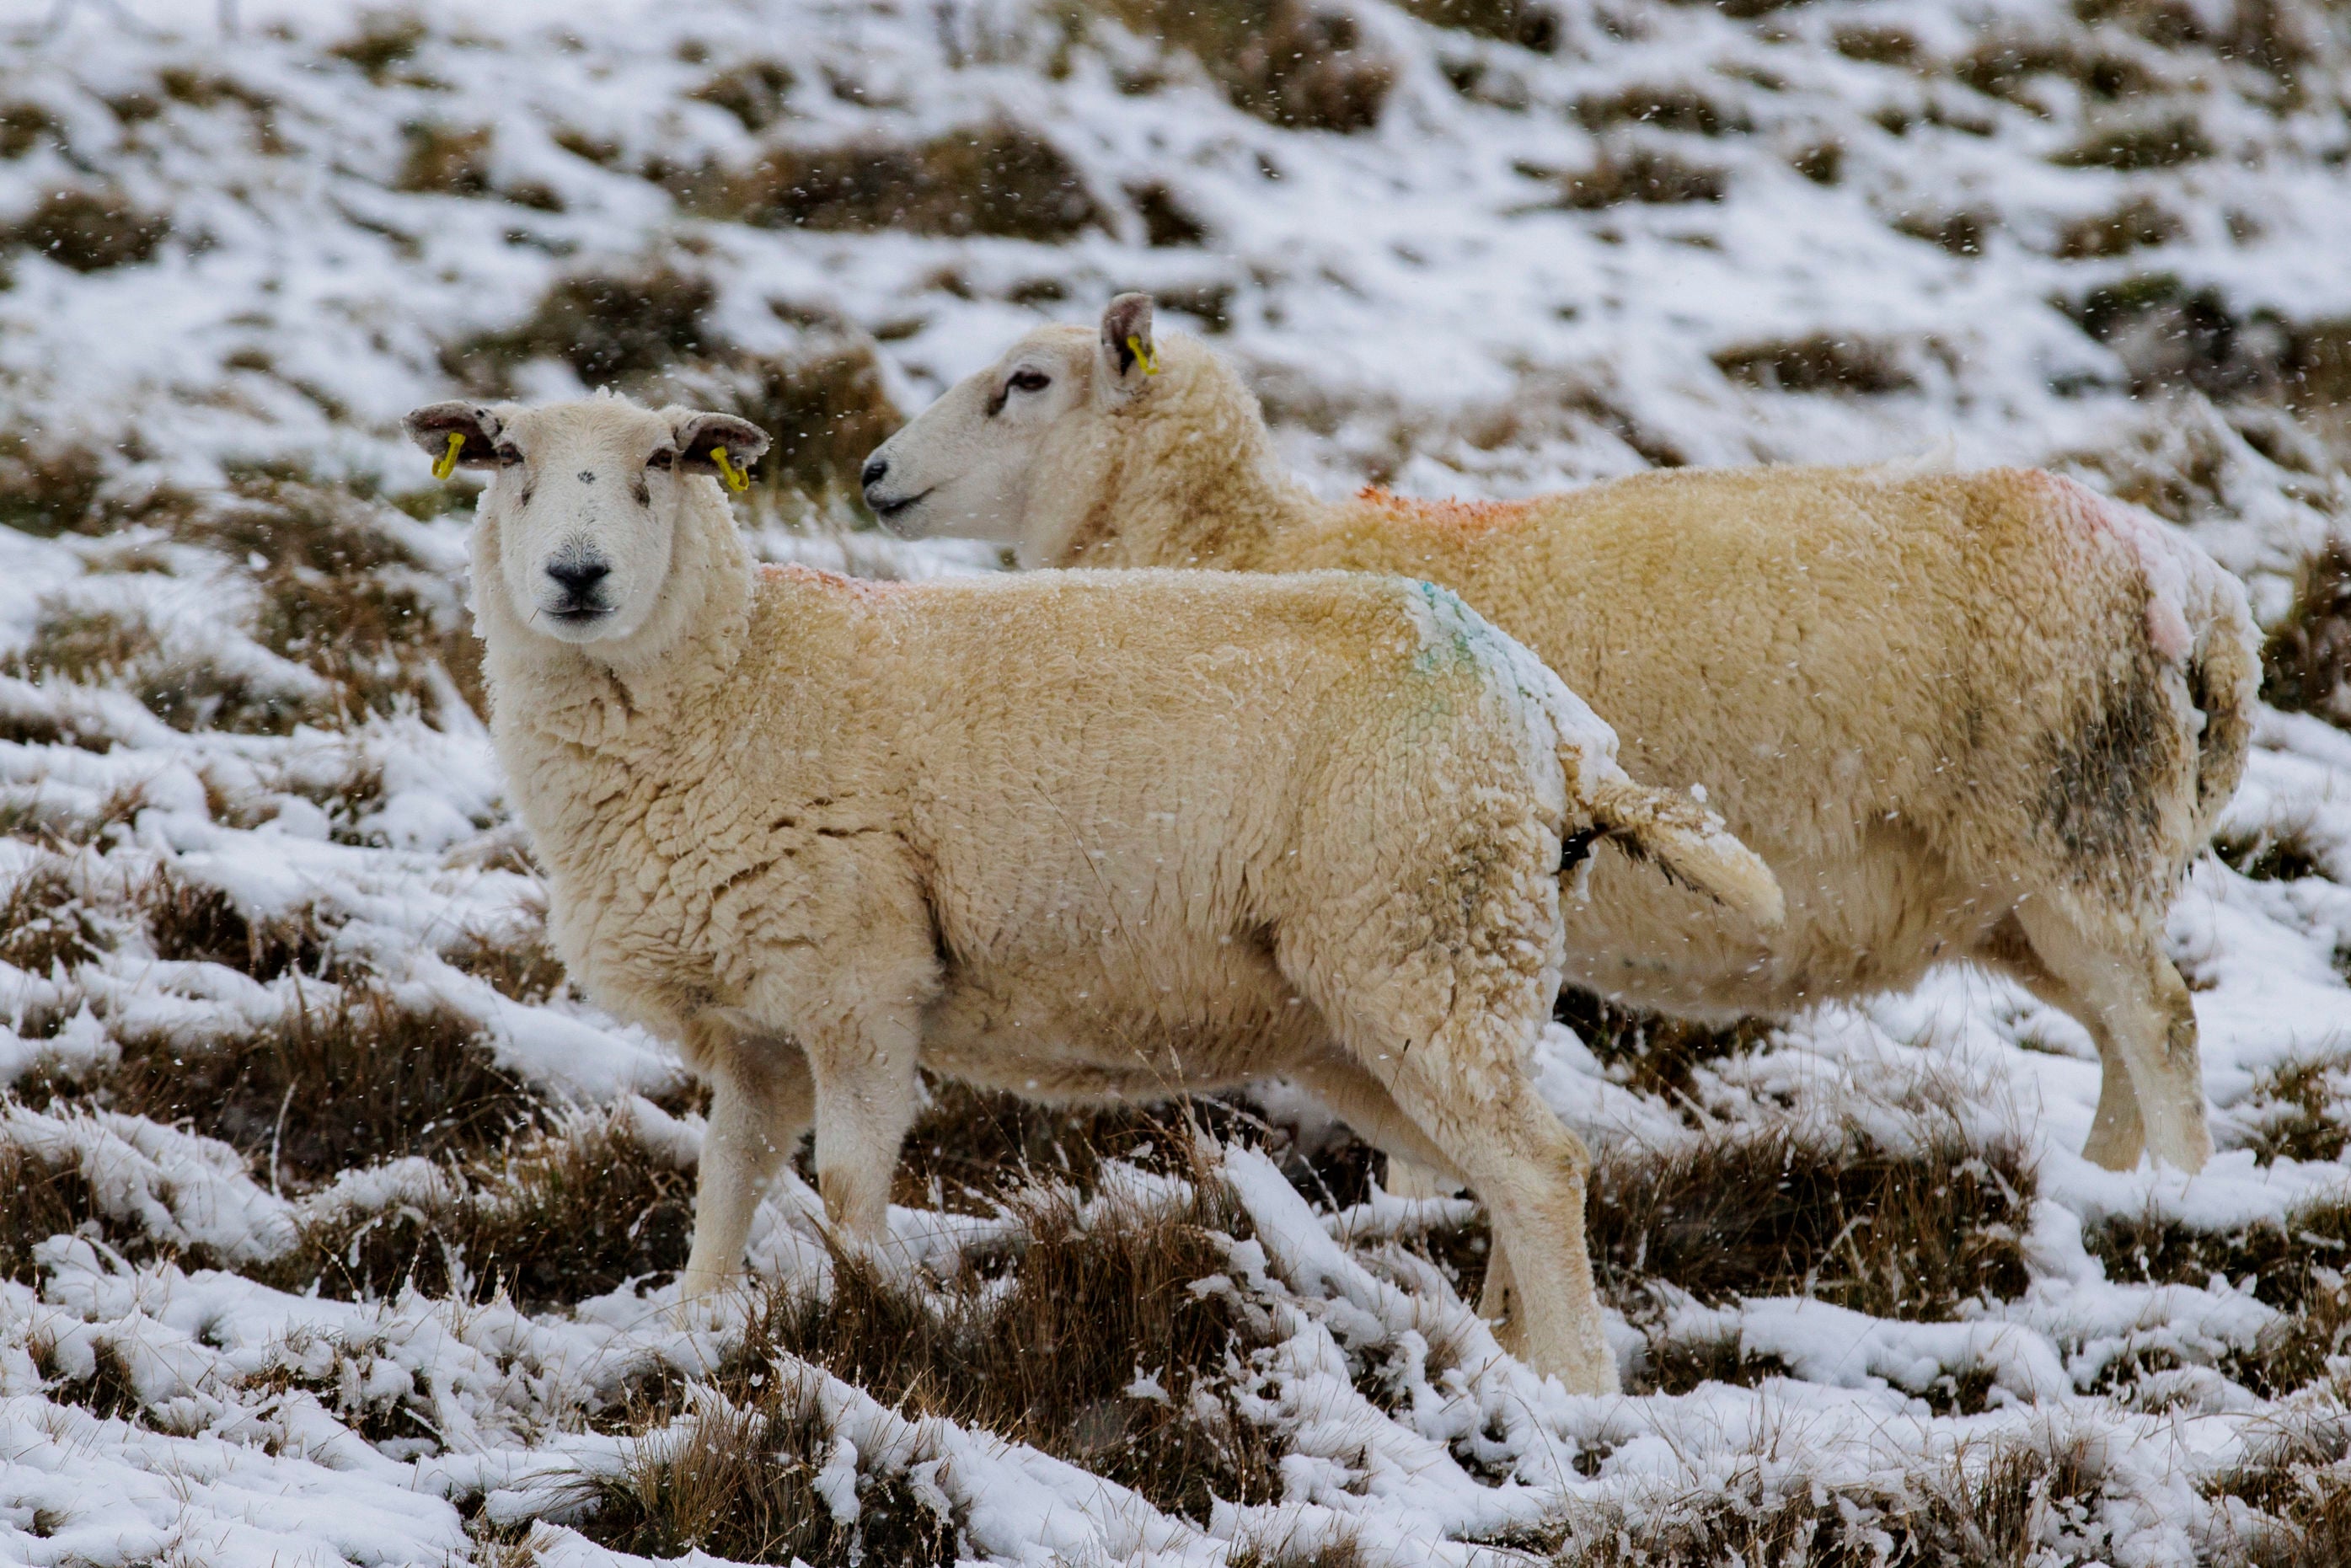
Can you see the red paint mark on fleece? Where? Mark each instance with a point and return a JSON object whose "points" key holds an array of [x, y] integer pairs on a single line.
{"points": [[829, 581], [2160, 568], [1469, 516]]}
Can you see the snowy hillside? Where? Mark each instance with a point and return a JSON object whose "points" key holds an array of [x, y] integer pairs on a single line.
{"points": [[336, 1228]]}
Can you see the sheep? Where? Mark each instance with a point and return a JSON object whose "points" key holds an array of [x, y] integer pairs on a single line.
{"points": [[1073, 835], [1986, 718]]}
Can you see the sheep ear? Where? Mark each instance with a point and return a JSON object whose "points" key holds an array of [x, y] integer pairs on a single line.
{"points": [[700, 435], [1689, 844], [432, 426], [1129, 358]]}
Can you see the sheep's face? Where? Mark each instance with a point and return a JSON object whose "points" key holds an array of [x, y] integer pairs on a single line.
{"points": [[585, 499], [965, 465]]}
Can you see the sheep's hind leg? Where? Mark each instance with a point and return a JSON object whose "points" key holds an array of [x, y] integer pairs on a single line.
{"points": [[1416, 1168], [2138, 1011], [1453, 1067], [761, 1099]]}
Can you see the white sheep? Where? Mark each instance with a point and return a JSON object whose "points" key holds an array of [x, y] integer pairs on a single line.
{"points": [[1988, 717], [1073, 834]]}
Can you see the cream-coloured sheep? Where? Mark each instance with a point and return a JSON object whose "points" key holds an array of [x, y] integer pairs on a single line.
{"points": [[1071, 834], [1986, 718]]}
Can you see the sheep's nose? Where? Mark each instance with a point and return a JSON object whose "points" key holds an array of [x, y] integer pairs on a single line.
{"points": [[875, 470], [579, 578]]}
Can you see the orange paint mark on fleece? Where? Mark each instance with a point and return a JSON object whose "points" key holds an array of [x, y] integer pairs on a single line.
{"points": [[1467, 516], [829, 581]]}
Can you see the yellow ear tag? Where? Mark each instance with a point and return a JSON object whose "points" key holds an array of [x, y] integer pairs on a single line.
{"points": [[736, 479], [446, 463], [1143, 354]]}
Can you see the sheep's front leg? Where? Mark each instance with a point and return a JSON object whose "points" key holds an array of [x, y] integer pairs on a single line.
{"points": [[760, 1104], [866, 1094]]}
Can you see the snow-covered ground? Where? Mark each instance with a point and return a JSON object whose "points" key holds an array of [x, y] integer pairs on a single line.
{"points": [[298, 231]]}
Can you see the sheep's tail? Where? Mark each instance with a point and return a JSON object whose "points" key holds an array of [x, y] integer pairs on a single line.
{"points": [[1685, 841], [2223, 668]]}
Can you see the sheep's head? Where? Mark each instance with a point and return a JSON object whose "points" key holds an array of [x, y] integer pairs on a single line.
{"points": [[586, 498], [965, 466]]}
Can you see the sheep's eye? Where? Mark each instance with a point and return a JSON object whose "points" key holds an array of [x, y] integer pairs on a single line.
{"points": [[665, 459], [1029, 381], [507, 457]]}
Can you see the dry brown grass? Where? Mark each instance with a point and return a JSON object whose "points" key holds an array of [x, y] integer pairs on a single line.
{"points": [[48, 487], [2281, 853], [2306, 660], [753, 92], [1530, 24], [2164, 142], [1667, 107], [562, 1212], [2299, 1485], [2137, 224], [44, 925], [89, 646], [742, 1485], [522, 969], [350, 1082], [195, 923], [445, 160], [38, 1199], [1909, 1235], [89, 231], [1290, 62], [2298, 1109], [825, 406], [1650, 1051], [606, 326], [1039, 1344], [1822, 363], [1637, 174], [2007, 1508], [2294, 1265], [995, 178]]}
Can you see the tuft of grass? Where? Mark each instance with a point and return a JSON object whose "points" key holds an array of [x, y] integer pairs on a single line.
{"points": [[742, 1485], [2004, 66], [2299, 1108], [997, 177], [445, 160], [826, 407], [1291, 63], [606, 326], [2140, 223], [2160, 143], [1961, 233], [2306, 659], [521, 969], [1650, 1051], [2295, 1266], [100, 647], [753, 92], [2025, 1502], [2298, 1485], [193, 922], [1167, 222], [1876, 46], [48, 489], [385, 41], [38, 1199], [2273, 854], [24, 126], [1679, 1366], [1529, 23], [1637, 174], [1675, 106], [89, 231], [356, 1080], [1046, 1353], [1822, 363], [558, 1214], [1913, 1235], [44, 925]]}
